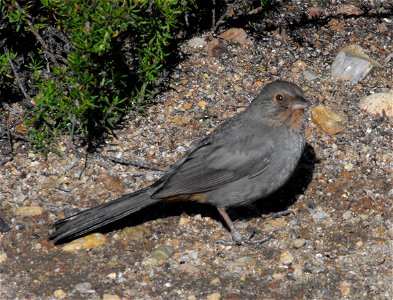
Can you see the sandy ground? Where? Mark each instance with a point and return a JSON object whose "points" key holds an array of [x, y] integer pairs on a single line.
{"points": [[334, 243]]}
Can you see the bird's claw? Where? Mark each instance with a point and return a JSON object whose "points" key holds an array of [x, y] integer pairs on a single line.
{"points": [[239, 240]]}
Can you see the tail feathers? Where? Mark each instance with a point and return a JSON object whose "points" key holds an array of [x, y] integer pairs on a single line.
{"points": [[99, 216]]}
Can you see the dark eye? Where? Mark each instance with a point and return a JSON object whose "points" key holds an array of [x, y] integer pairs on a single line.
{"points": [[279, 98]]}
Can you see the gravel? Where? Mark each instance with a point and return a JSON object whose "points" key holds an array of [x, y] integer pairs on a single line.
{"points": [[336, 242]]}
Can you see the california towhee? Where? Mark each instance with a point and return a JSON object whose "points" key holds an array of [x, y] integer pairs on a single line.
{"points": [[244, 159]]}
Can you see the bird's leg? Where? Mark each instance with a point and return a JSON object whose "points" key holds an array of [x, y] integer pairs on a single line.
{"points": [[236, 235]]}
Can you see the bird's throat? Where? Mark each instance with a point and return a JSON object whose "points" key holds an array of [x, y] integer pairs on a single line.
{"points": [[291, 118]]}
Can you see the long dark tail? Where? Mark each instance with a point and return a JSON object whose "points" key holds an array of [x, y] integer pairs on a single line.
{"points": [[99, 216]]}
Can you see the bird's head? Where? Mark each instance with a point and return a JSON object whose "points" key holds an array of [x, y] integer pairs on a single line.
{"points": [[282, 103]]}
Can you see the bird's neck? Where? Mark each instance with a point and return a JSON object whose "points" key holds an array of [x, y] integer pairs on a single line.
{"points": [[292, 119]]}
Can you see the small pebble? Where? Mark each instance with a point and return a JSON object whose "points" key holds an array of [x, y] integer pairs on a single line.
{"points": [[308, 75], [299, 243], [197, 42], [181, 149], [135, 233], [163, 252], [29, 211], [286, 258], [184, 220], [110, 297], [345, 288], [202, 104], [3, 257], [319, 215], [215, 281], [244, 261], [293, 222], [348, 166], [111, 275], [214, 296], [347, 215], [60, 294], [90, 241], [84, 288]]}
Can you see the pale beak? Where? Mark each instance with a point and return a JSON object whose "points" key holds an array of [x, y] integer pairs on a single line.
{"points": [[299, 103]]}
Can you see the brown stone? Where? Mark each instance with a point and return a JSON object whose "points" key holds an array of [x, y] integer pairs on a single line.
{"points": [[237, 35], [349, 10], [327, 119], [110, 182], [216, 48], [314, 11]]}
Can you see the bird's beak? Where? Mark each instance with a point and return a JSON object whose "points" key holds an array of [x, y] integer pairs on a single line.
{"points": [[299, 103]]}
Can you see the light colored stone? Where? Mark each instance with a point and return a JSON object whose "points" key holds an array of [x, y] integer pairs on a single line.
{"points": [[163, 252], [345, 287], [349, 10], [215, 281], [299, 243], [214, 296], [110, 297], [243, 262], [187, 105], [309, 75], [29, 211], [197, 42], [319, 215], [286, 258], [202, 104], [378, 103], [3, 257], [347, 215], [188, 268], [135, 233], [91, 241], [111, 275], [60, 294], [353, 64], [184, 220]]}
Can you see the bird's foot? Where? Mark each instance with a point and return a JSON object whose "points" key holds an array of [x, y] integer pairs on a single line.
{"points": [[278, 214], [239, 240]]}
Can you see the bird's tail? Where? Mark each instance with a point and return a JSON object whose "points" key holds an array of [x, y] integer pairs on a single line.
{"points": [[99, 216]]}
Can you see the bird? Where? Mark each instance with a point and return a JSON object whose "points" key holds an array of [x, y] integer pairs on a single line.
{"points": [[246, 158]]}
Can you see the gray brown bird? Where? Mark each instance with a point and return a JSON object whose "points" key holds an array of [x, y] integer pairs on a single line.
{"points": [[244, 159]]}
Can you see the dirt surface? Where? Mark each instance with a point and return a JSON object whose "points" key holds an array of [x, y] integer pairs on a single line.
{"points": [[336, 241]]}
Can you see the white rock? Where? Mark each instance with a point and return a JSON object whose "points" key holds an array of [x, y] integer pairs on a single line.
{"points": [[197, 42], [353, 64], [377, 103]]}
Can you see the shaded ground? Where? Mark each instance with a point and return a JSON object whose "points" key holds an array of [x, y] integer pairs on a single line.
{"points": [[336, 243]]}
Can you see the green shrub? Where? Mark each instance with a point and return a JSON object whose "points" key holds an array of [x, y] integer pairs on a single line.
{"points": [[94, 59]]}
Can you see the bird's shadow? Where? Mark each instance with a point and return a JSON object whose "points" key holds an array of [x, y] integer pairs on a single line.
{"points": [[276, 202]]}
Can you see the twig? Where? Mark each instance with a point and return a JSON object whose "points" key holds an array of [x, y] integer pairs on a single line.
{"points": [[144, 174], [28, 101], [138, 164], [214, 14], [38, 37], [20, 137]]}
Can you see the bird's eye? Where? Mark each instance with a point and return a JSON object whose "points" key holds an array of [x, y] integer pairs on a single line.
{"points": [[279, 98]]}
